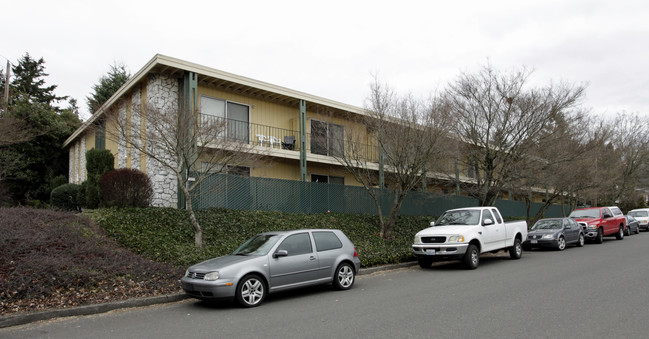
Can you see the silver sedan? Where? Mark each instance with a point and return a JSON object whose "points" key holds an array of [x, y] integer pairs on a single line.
{"points": [[275, 261]]}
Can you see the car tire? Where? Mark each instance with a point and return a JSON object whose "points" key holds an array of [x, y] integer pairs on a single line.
{"points": [[516, 251], [561, 243], [424, 262], [599, 238], [471, 258], [251, 291], [344, 277], [620, 234], [627, 232], [637, 230], [581, 241]]}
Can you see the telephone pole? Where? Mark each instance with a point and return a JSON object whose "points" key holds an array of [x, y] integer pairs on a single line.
{"points": [[6, 96]]}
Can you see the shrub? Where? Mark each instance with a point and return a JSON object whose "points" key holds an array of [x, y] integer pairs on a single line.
{"points": [[98, 162], [126, 187], [65, 197]]}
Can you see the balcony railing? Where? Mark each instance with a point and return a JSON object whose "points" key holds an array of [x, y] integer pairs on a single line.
{"points": [[286, 139]]}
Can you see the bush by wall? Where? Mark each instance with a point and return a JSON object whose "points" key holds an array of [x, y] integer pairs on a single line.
{"points": [[66, 197], [125, 187], [98, 162]]}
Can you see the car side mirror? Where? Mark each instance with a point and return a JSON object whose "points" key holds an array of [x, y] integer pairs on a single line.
{"points": [[280, 253], [487, 222], [432, 223]]}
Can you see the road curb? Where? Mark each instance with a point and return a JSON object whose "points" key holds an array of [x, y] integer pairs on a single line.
{"points": [[22, 319]]}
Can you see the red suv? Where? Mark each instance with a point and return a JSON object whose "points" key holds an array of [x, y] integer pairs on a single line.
{"points": [[601, 222]]}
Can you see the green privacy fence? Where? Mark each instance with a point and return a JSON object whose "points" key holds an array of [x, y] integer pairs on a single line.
{"points": [[250, 193]]}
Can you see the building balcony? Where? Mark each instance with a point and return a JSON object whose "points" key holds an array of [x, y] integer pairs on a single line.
{"points": [[286, 142]]}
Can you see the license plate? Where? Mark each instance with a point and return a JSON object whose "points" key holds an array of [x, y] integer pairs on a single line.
{"points": [[534, 241], [430, 252]]}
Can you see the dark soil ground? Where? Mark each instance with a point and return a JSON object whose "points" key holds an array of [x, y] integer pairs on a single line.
{"points": [[51, 260]]}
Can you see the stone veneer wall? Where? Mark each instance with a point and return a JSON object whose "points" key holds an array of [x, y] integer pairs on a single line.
{"points": [[162, 93], [135, 130], [121, 143], [82, 160], [71, 165]]}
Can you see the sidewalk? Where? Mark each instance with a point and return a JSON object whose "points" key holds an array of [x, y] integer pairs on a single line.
{"points": [[21, 319]]}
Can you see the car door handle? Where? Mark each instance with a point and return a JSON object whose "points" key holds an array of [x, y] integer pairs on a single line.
{"points": [[311, 258]]}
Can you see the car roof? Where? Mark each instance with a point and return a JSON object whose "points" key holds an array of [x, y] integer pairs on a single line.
{"points": [[301, 230]]}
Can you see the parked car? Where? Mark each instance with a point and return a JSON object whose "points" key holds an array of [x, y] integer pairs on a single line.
{"points": [[555, 233], [642, 215], [601, 222], [465, 233], [631, 225], [275, 261]]}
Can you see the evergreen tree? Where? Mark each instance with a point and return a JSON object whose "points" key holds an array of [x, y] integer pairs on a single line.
{"points": [[29, 83], [29, 165], [108, 84]]}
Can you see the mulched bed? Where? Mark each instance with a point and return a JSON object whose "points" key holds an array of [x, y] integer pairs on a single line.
{"points": [[51, 259]]}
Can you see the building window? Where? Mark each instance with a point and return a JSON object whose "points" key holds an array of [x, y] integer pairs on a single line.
{"points": [[327, 138], [100, 135], [327, 179], [236, 115], [243, 171]]}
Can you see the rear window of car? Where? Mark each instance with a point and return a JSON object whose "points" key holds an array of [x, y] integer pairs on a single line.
{"points": [[616, 211], [325, 241], [641, 214]]}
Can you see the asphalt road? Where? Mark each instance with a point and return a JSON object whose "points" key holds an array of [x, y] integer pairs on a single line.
{"points": [[598, 291]]}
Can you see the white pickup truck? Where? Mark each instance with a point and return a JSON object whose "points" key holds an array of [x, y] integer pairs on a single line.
{"points": [[464, 233]]}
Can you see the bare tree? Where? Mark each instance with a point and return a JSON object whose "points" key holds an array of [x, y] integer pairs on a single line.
{"points": [[191, 145], [561, 162], [403, 135], [499, 121], [624, 159]]}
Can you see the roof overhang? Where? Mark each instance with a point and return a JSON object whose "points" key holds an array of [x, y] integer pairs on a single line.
{"points": [[210, 77]]}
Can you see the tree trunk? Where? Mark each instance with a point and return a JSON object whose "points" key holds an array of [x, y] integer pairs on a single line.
{"points": [[198, 232]]}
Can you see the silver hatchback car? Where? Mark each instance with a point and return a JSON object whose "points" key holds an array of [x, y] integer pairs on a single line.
{"points": [[275, 261]]}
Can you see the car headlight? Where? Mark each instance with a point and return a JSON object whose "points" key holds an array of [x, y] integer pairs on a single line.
{"points": [[211, 276], [549, 236], [417, 240], [592, 227], [187, 272], [456, 238]]}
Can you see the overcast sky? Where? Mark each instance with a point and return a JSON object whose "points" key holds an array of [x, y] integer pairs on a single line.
{"points": [[331, 48]]}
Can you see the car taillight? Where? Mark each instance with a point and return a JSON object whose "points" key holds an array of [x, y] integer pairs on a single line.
{"points": [[355, 253]]}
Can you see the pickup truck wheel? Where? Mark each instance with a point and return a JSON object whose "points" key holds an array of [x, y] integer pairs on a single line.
{"points": [[516, 251], [581, 241], [424, 262], [599, 239], [620, 234], [561, 243], [471, 257]]}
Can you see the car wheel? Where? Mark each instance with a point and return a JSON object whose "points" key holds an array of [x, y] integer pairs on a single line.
{"points": [[627, 232], [561, 243], [599, 239], [471, 257], [424, 262], [251, 291], [620, 234], [345, 276], [581, 241], [637, 230], [516, 251]]}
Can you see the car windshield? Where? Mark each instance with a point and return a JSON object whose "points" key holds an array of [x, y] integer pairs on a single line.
{"points": [[547, 225], [459, 217], [258, 245], [641, 214], [590, 213]]}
